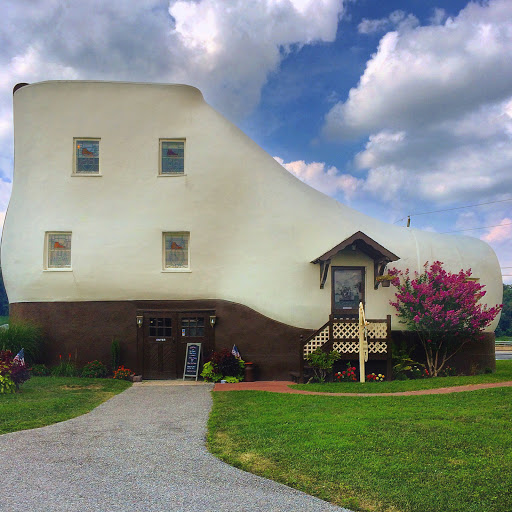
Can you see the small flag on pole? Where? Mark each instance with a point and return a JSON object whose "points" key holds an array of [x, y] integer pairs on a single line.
{"points": [[20, 357], [235, 352]]}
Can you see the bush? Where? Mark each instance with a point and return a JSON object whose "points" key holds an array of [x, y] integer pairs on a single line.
{"points": [[65, 368], [94, 369], [123, 373], [39, 370], [22, 336], [209, 374], [225, 363], [115, 351], [322, 362], [6, 385], [14, 370]]}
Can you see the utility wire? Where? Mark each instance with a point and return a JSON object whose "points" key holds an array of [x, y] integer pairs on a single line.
{"points": [[450, 209], [473, 229]]}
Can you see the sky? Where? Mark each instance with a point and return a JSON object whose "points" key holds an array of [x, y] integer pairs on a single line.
{"points": [[395, 108]]}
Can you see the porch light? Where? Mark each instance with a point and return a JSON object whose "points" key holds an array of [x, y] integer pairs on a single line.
{"points": [[139, 320], [213, 320]]}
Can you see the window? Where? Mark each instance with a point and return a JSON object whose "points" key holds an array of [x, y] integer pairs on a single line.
{"points": [[58, 251], [192, 327], [176, 250], [172, 157], [347, 289], [87, 156]]}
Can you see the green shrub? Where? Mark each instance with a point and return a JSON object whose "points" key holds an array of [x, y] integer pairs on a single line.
{"points": [[94, 369], [115, 351], [22, 336], [6, 385], [232, 380], [209, 374], [322, 362], [40, 370]]}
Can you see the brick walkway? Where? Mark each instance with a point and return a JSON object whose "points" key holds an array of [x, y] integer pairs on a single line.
{"points": [[276, 386]]}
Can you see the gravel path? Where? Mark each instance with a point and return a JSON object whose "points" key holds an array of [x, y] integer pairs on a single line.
{"points": [[142, 450]]}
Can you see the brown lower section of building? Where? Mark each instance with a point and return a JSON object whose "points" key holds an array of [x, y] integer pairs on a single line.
{"points": [[156, 349], [86, 330]]}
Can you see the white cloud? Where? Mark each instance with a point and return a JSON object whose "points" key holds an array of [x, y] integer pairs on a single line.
{"points": [[398, 20], [318, 175], [436, 104], [499, 233]]}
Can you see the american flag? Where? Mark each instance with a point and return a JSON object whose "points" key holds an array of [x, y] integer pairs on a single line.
{"points": [[20, 356], [235, 352]]}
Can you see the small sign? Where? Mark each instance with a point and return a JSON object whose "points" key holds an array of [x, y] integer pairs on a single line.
{"points": [[192, 358], [183, 332]]}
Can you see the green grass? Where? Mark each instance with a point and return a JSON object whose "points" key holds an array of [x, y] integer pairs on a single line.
{"points": [[4, 320], [504, 338], [503, 373], [449, 453], [46, 400]]}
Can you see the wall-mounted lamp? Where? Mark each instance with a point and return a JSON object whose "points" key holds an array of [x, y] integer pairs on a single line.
{"points": [[139, 320], [213, 320]]}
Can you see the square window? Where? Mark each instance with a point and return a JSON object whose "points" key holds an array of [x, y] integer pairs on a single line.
{"points": [[87, 156], [172, 157], [176, 253], [58, 250]]}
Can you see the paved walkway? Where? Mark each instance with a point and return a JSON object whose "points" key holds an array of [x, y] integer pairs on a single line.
{"points": [[276, 386], [143, 450]]}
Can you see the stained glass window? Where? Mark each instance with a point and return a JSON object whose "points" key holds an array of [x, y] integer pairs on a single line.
{"points": [[59, 250], [348, 288], [176, 250], [172, 155], [87, 156]]}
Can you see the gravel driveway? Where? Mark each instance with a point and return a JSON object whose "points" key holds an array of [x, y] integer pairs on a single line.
{"points": [[142, 450]]}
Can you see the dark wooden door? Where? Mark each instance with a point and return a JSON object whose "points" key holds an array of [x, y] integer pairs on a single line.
{"points": [[166, 334], [160, 333]]}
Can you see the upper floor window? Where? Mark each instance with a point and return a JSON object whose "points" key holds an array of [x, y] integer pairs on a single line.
{"points": [[58, 250], [172, 157], [176, 250], [87, 156]]}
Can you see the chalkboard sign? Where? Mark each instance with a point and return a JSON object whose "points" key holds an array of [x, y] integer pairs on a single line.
{"points": [[192, 358]]}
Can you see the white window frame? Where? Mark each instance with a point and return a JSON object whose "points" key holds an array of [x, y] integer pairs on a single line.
{"points": [[176, 269], [47, 252], [75, 141], [176, 174]]}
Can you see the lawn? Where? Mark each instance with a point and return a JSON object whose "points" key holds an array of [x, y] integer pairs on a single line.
{"points": [[503, 373], [449, 453], [46, 400]]}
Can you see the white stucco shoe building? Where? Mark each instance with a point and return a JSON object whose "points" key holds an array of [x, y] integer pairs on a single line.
{"points": [[140, 213]]}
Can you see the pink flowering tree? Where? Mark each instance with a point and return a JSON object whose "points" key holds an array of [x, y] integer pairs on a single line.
{"points": [[443, 308]]}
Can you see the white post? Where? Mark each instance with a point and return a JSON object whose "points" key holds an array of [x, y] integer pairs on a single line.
{"points": [[363, 345]]}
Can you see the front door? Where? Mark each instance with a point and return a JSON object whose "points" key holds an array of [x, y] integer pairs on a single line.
{"points": [[347, 290], [160, 334], [166, 334]]}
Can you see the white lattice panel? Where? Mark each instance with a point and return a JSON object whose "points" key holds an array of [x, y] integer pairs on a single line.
{"points": [[346, 347], [377, 330], [377, 347], [345, 330], [316, 342]]}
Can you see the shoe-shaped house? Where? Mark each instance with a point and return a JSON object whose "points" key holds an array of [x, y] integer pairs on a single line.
{"points": [[139, 213]]}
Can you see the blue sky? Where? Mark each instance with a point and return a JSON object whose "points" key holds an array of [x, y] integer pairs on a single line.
{"points": [[394, 108]]}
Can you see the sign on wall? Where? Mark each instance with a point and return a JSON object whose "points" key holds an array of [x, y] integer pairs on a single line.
{"points": [[192, 358]]}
